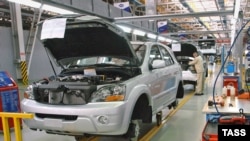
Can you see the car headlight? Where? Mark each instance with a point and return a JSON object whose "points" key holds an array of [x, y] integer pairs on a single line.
{"points": [[28, 93], [109, 93]]}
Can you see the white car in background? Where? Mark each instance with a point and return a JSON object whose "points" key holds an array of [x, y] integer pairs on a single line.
{"points": [[107, 85], [189, 75], [185, 55]]}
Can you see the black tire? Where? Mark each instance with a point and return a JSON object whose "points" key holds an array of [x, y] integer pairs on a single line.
{"points": [[79, 138], [82, 137], [133, 130], [180, 91]]}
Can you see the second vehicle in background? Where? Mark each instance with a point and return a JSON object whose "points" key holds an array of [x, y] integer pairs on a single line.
{"points": [[184, 54]]}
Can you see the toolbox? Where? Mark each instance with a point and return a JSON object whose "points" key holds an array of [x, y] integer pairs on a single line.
{"points": [[9, 97], [210, 132]]}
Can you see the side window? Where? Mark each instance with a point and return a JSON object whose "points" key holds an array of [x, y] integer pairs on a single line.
{"points": [[166, 56], [155, 53]]}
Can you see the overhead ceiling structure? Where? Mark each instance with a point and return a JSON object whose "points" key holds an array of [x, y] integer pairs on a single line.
{"points": [[27, 14], [196, 19], [204, 23], [201, 18], [215, 26]]}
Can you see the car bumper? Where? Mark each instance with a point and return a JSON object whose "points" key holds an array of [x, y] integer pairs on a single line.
{"points": [[77, 119]]}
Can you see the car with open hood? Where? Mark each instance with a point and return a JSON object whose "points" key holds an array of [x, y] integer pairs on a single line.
{"points": [[107, 86], [184, 54]]}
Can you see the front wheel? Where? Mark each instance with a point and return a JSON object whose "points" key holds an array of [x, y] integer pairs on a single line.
{"points": [[133, 130], [80, 138], [83, 138]]}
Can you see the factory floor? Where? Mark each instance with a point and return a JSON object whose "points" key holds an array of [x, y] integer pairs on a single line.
{"points": [[184, 124]]}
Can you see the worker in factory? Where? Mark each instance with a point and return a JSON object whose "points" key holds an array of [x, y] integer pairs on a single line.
{"points": [[198, 64]]}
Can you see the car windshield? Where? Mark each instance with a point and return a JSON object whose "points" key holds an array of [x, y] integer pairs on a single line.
{"points": [[140, 50], [97, 61]]}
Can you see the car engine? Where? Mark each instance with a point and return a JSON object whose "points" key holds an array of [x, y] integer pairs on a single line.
{"points": [[72, 88]]}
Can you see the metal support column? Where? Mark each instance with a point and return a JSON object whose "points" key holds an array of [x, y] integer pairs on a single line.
{"points": [[18, 40], [32, 36], [238, 49]]}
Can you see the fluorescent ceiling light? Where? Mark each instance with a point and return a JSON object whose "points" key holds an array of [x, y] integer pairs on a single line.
{"points": [[139, 32], [161, 38], [125, 28], [205, 19], [46, 7], [215, 18], [168, 40], [27, 3], [152, 36], [56, 9], [246, 51]]}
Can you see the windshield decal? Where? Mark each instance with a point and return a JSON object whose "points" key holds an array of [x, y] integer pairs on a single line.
{"points": [[53, 28]]}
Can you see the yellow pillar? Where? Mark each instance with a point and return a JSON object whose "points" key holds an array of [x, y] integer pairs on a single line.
{"points": [[24, 72], [6, 130], [17, 127]]}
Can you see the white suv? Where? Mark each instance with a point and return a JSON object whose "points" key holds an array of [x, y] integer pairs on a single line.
{"points": [[106, 84]]}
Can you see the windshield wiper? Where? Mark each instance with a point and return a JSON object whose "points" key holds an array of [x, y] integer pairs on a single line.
{"points": [[105, 64]]}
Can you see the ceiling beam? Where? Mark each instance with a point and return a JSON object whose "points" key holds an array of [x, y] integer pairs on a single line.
{"points": [[195, 22], [168, 16], [197, 32]]}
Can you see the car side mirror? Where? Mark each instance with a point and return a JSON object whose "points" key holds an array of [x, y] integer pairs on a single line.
{"points": [[158, 64]]}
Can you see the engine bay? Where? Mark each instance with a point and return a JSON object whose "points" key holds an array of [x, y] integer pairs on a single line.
{"points": [[74, 87]]}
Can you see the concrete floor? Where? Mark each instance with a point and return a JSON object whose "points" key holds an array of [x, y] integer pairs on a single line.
{"points": [[185, 125]]}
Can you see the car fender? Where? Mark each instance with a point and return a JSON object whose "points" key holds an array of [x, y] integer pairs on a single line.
{"points": [[134, 95]]}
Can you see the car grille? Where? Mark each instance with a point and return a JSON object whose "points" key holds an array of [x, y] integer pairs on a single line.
{"points": [[63, 93], [63, 117]]}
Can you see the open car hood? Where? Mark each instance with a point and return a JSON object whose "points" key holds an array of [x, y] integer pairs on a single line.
{"points": [[185, 50], [84, 36]]}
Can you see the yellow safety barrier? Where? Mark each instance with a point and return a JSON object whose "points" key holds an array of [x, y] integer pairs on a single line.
{"points": [[17, 126]]}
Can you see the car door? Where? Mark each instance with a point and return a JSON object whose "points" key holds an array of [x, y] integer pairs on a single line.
{"points": [[159, 79], [169, 75]]}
